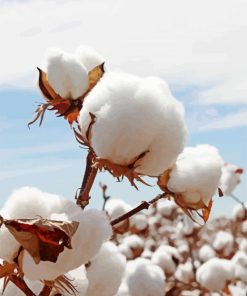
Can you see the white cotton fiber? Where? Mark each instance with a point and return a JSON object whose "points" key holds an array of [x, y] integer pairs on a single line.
{"points": [[139, 221], [206, 252], [239, 261], [238, 211], [79, 281], [116, 207], [214, 274], [166, 207], [184, 272], [134, 116], [9, 246], [144, 278], [67, 76], [94, 229], [224, 242], [230, 178], [88, 56], [167, 258], [243, 245], [196, 174], [12, 290], [105, 271]]}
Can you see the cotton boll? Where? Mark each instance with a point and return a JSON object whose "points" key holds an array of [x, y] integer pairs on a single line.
{"points": [[8, 245], [79, 281], [230, 178], [185, 272], [126, 251], [134, 116], [123, 289], [105, 271], [139, 222], [167, 258], [93, 230], [238, 212], [67, 76], [29, 202], [144, 278], [223, 242], [206, 253], [214, 274], [239, 261], [196, 175], [88, 56], [237, 291], [243, 246], [166, 207], [135, 243]]}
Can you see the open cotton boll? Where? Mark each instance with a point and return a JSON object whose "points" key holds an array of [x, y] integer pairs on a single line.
{"points": [[144, 278], [205, 253], [166, 207], [105, 271], [196, 174], [28, 202], [230, 178], [238, 211], [237, 291], [67, 76], [185, 272], [243, 245], [167, 258], [223, 242], [88, 56], [9, 246], [134, 116], [79, 281], [214, 274], [139, 221], [123, 289], [94, 229], [239, 261], [126, 251]]}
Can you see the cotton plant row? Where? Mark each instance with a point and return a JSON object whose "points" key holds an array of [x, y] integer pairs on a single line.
{"points": [[132, 127]]}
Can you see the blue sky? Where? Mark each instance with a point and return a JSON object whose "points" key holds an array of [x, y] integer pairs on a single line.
{"points": [[199, 49]]}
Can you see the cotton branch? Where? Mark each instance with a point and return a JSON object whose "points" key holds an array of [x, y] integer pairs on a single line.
{"points": [[87, 182], [143, 206], [105, 197], [20, 283], [45, 291]]}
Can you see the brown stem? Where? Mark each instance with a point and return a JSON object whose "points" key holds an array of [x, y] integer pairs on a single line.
{"points": [[20, 283], [87, 182], [45, 291], [144, 205], [105, 197]]}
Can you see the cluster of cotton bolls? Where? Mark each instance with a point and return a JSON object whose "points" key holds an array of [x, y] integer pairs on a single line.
{"points": [[170, 254]]}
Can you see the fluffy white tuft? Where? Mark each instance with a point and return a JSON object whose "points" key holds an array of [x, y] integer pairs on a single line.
{"points": [[88, 56], [106, 271], [166, 207], [196, 174], [224, 242], [214, 274], [94, 229], [206, 253], [134, 116], [184, 272], [144, 278], [67, 76], [230, 178]]}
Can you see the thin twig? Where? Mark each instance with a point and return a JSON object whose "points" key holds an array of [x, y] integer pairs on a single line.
{"points": [[20, 283], [45, 291], [144, 205], [87, 182], [105, 197]]}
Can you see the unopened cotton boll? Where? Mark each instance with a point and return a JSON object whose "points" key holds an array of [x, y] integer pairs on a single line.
{"points": [[94, 229], [214, 274], [230, 178], [223, 242], [105, 271], [144, 278], [196, 175], [67, 76], [88, 56], [134, 117], [206, 253]]}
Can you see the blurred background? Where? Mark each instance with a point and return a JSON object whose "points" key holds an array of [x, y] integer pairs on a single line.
{"points": [[198, 47]]}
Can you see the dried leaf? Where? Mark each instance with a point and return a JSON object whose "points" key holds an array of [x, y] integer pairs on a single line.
{"points": [[163, 179], [95, 74], [43, 239], [7, 269], [239, 171], [45, 87], [206, 211]]}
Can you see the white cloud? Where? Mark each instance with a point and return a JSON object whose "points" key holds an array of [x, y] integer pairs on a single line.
{"points": [[237, 119], [187, 42]]}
